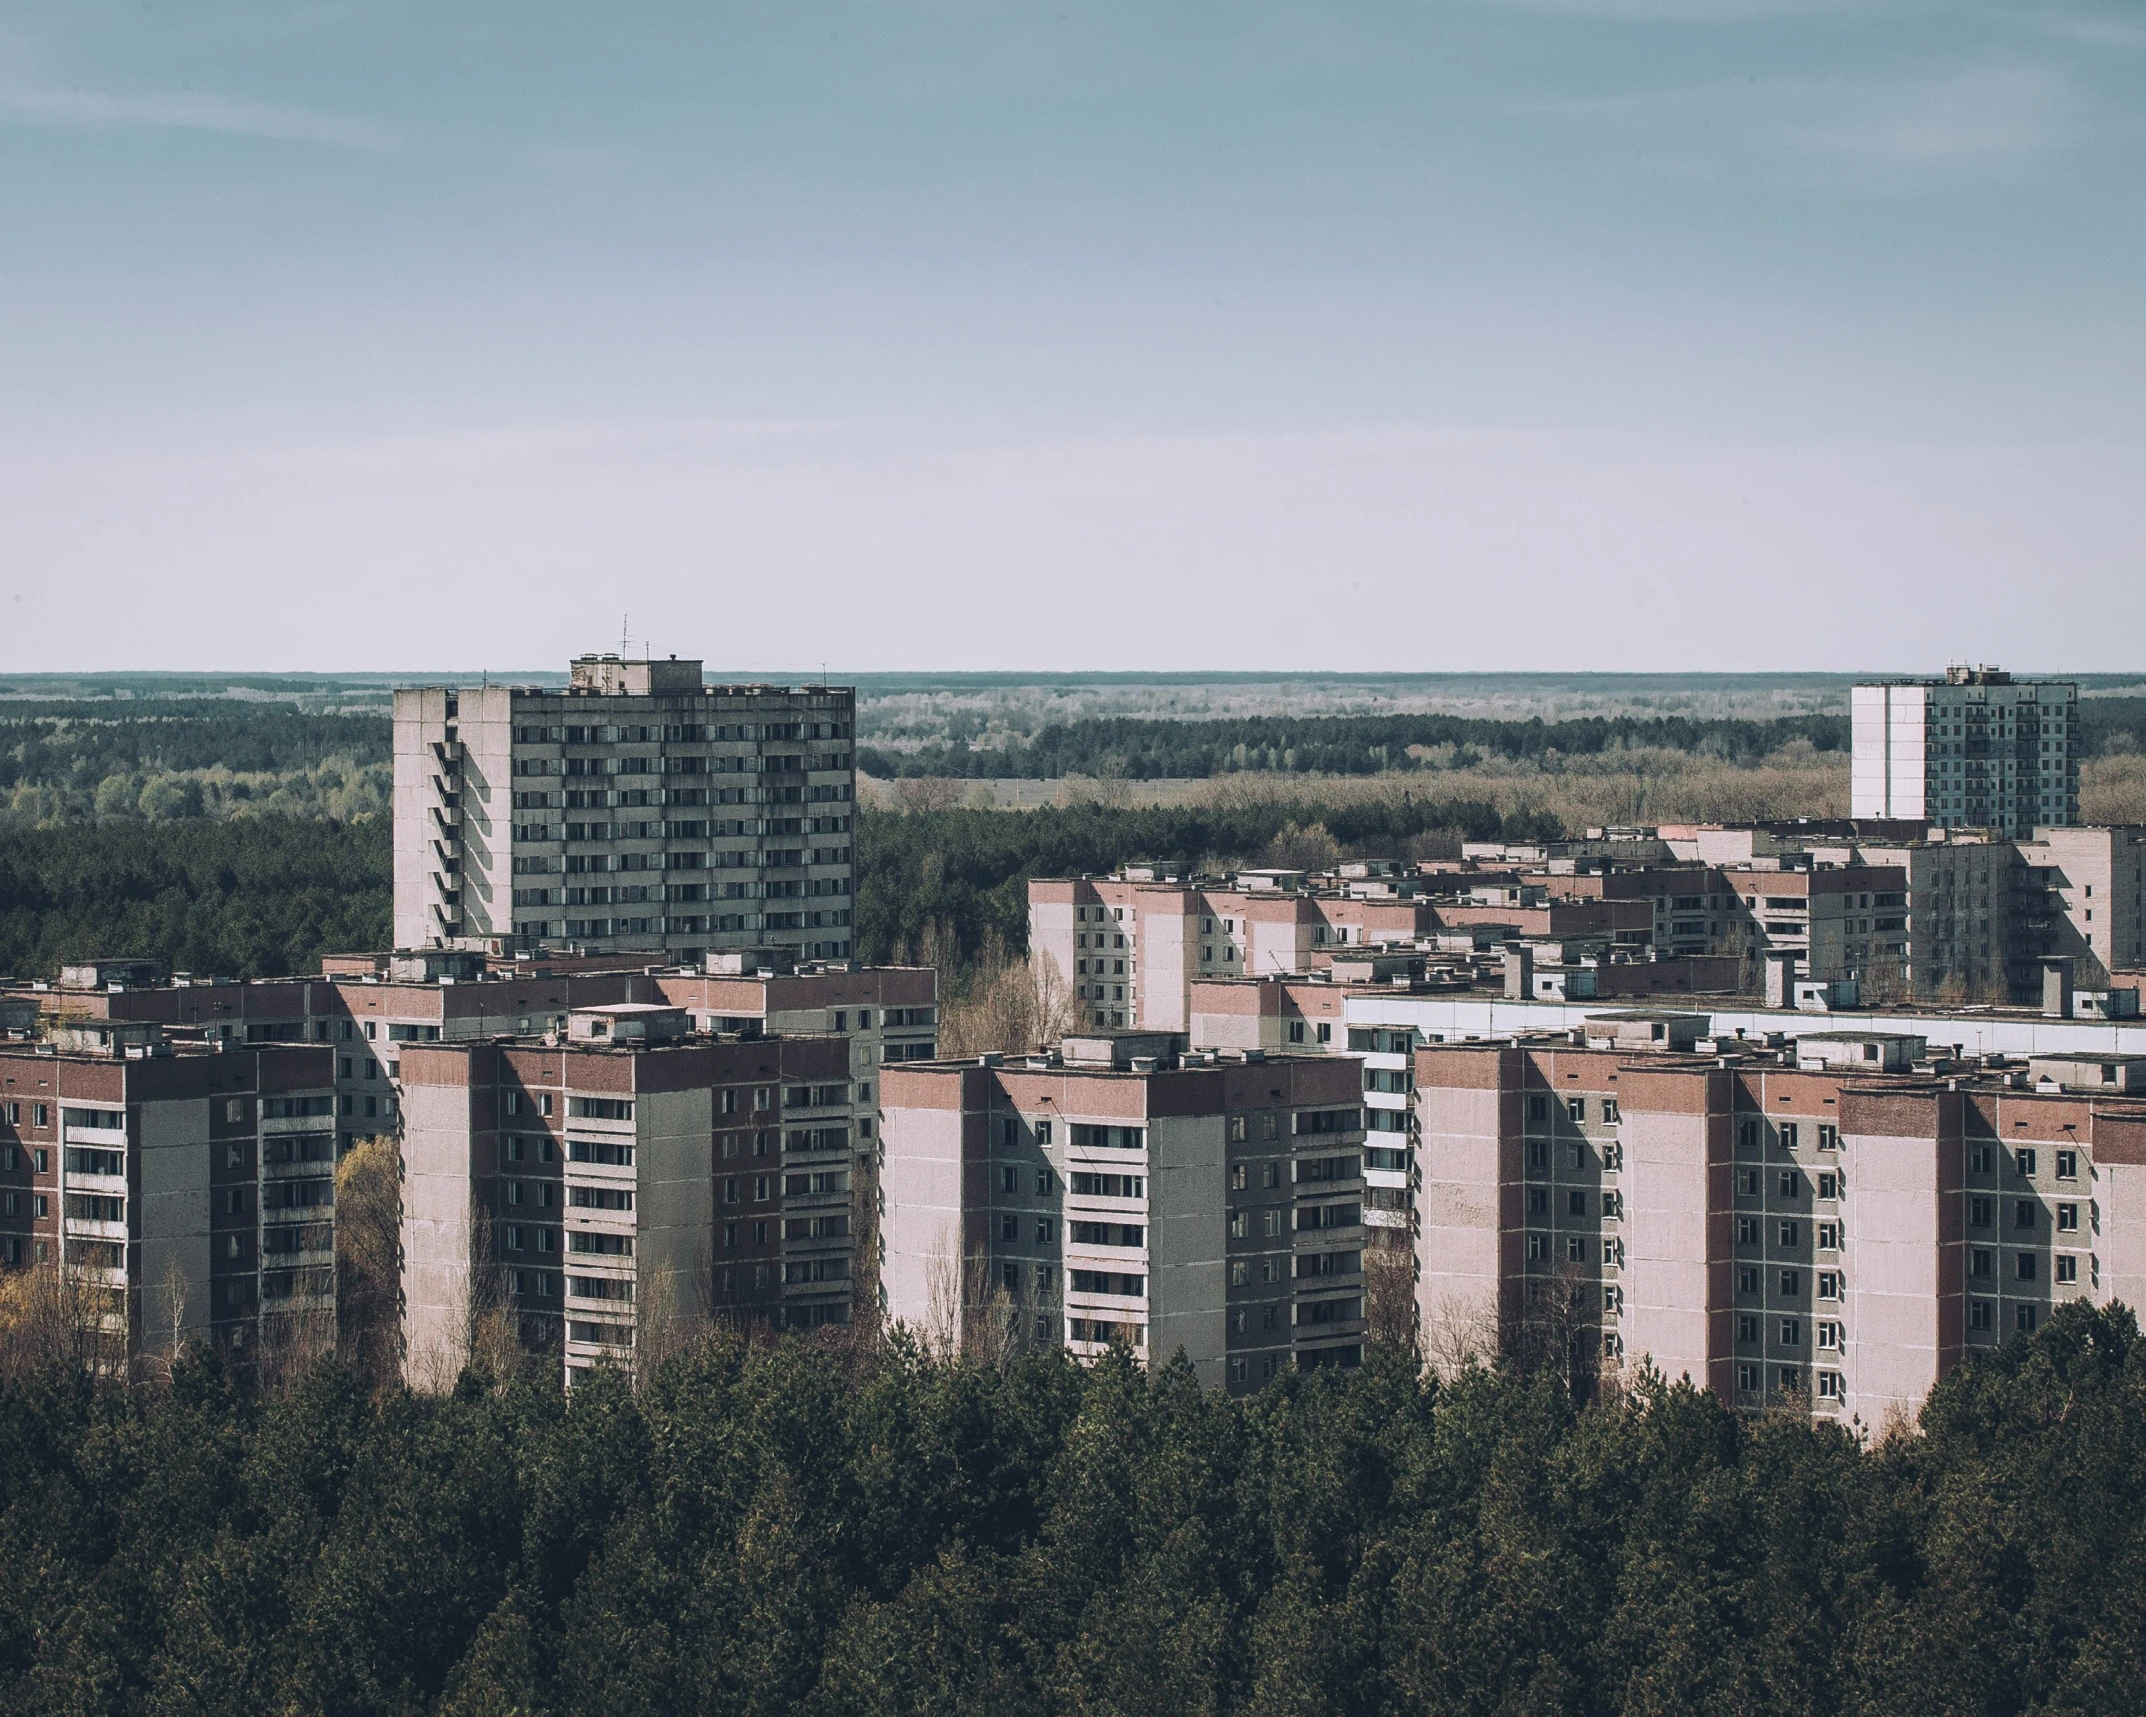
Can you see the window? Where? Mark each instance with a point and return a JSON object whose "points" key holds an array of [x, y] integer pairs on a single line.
{"points": [[1828, 1137], [2023, 1319], [1789, 1136], [1538, 1201], [2023, 1159], [1747, 1231], [2067, 1268], [1747, 1182], [1043, 1183], [1830, 1283], [1791, 1183], [1576, 1107], [1609, 1110], [1747, 1135], [1538, 1154], [1238, 1176], [2067, 1218], [1829, 1237], [2023, 1213], [1978, 1213], [1791, 1332], [1747, 1280], [1538, 1107], [1791, 1234], [2067, 1165], [1829, 1184], [1791, 1284], [1575, 1204], [1240, 1274], [1009, 1177], [1747, 1379], [2025, 1266], [1791, 1380], [1538, 1248], [1978, 1314], [1829, 1335], [1978, 1160], [1830, 1387], [1978, 1263], [1747, 1327], [1575, 1250]]}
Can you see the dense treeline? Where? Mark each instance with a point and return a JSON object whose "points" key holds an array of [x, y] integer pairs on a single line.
{"points": [[254, 897], [263, 896], [165, 760], [764, 1531], [1144, 750], [53, 742], [952, 881]]}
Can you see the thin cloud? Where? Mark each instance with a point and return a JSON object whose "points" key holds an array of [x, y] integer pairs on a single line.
{"points": [[102, 110], [1983, 114], [2086, 29], [1702, 11]]}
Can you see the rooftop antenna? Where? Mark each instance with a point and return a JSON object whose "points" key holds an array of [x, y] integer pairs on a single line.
{"points": [[624, 649]]}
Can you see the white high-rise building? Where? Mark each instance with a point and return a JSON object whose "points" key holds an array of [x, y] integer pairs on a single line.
{"points": [[637, 810], [1976, 749]]}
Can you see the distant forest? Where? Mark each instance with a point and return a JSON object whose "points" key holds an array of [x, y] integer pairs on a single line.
{"points": [[165, 760], [865, 1532], [1145, 750], [266, 896], [174, 758]]}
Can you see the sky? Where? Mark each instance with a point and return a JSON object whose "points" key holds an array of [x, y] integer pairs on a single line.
{"points": [[1074, 334]]}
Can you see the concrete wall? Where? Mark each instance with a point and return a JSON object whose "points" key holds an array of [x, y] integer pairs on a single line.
{"points": [[921, 1180], [1903, 1163], [173, 1223], [674, 1179], [1187, 1217], [1677, 1135], [1468, 1245], [437, 1233]]}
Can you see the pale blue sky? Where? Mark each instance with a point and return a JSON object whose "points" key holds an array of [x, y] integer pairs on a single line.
{"points": [[1619, 333]]}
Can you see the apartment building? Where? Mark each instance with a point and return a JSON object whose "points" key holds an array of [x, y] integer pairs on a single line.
{"points": [[1827, 1225], [624, 1172], [1974, 749], [1129, 945], [2086, 890], [1123, 1189], [137, 1164], [367, 1007], [638, 810]]}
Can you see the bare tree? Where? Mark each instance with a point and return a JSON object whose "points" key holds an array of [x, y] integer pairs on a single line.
{"points": [[51, 1318], [1460, 1335], [1004, 1003], [174, 1291], [368, 1260], [926, 793], [1390, 1300], [663, 1325], [945, 1301]]}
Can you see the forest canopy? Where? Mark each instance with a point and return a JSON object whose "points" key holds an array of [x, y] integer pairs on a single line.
{"points": [[761, 1531]]}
